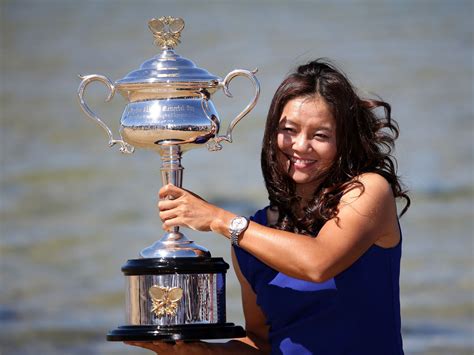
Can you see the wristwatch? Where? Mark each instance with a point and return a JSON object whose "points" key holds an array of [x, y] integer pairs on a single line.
{"points": [[237, 226]]}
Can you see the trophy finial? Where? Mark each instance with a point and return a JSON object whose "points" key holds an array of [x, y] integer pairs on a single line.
{"points": [[166, 30]]}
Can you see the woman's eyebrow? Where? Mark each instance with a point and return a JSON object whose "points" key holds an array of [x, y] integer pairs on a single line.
{"points": [[325, 128], [284, 120], [319, 127]]}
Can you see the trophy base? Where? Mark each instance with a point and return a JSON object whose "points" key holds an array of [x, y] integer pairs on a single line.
{"points": [[171, 333]]}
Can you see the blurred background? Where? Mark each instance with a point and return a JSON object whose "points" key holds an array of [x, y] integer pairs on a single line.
{"points": [[72, 210]]}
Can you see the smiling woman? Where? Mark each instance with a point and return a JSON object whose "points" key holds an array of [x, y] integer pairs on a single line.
{"points": [[319, 267], [306, 141], [318, 96]]}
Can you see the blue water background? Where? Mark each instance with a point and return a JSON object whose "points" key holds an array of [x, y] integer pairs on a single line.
{"points": [[72, 210]]}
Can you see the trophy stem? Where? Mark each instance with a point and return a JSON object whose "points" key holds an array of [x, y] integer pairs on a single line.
{"points": [[171, 168], [173, 244]]}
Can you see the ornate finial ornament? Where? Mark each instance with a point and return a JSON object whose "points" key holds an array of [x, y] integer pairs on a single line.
{"points": [[167, 31], [165, 300]]}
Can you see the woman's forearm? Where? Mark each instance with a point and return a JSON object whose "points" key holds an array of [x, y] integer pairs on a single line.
{"points": [[299, 256], [292, 254]]}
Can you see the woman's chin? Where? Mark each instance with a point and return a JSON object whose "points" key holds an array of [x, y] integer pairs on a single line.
{"points": [[303, 180]]}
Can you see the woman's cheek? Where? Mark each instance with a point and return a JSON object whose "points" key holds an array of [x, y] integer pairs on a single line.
{"points": [[283, 161]]}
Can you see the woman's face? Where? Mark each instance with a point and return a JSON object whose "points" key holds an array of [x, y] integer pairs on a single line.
{"points": [[306, 141]]}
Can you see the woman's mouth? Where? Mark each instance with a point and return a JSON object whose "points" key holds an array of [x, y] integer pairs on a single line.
{"points": [[300, 163]]}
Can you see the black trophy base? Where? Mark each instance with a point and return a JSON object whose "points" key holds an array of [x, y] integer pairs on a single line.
{"points": [[187, 332]]}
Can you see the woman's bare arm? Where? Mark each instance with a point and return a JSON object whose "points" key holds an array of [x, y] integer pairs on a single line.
{"points": [[365, 218]]}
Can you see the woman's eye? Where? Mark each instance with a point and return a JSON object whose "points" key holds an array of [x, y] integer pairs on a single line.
{"points": [[321, 136], [287, 129]]}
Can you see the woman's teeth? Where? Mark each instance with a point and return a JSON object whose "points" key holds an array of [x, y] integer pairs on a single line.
{"points": [[301, 162]]}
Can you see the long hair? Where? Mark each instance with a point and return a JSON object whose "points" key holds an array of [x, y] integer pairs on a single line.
{"points": [[364, 140]]}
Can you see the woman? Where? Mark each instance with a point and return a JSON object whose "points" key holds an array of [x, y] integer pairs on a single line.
{"points": [[318, 268]]}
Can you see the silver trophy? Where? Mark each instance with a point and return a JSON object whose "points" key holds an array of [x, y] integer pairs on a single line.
{"points": [[175, 290]]}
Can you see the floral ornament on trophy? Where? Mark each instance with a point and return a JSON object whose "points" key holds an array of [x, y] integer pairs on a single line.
{"points": [[165, 300], [167, 31]]}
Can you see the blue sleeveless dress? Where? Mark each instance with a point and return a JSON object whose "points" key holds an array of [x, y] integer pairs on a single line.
{"points": [[356, 313]]}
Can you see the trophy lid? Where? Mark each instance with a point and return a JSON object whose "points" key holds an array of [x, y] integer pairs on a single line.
{"points": [[168, 67]]}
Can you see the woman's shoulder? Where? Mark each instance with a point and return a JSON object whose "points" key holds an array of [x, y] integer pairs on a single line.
{"points": [[371, 186], [369, 198], [373, 201], [372, 178]]}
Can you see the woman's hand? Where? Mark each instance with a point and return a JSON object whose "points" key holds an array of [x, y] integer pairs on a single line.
{"points": [[243, 346], [179, 207], [180, 348]]}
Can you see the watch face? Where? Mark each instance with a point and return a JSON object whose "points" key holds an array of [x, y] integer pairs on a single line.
{"points": [[238, 223]]}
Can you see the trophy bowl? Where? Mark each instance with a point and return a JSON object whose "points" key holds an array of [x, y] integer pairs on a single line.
{"points": [[175, 290]]}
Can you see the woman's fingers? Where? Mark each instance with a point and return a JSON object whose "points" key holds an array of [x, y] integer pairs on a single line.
{"points": [[167, 215], [164, 205], [170, 222], [144, 344], [141, 344], [172, 348], [158, 347], [170, 191], [184, 209]]}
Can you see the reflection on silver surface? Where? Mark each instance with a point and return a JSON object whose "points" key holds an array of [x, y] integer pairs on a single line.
{"points": [[203, 299], [147, 124]]}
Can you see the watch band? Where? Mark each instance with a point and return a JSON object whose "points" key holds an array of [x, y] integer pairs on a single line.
{"points": [[237, 226], [234, 239]]}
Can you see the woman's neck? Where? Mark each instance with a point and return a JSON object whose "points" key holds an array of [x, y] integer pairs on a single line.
{"points": [[306, 194]]}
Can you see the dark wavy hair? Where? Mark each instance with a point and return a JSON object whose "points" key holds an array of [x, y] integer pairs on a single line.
{"points": [[364, 139]]}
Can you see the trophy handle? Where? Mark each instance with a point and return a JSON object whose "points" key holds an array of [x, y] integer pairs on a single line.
{"points": [[86, 79], [238, 72]]}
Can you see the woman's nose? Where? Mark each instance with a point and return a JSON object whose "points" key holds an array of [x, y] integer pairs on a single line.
{"points": [[301, 143]]}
